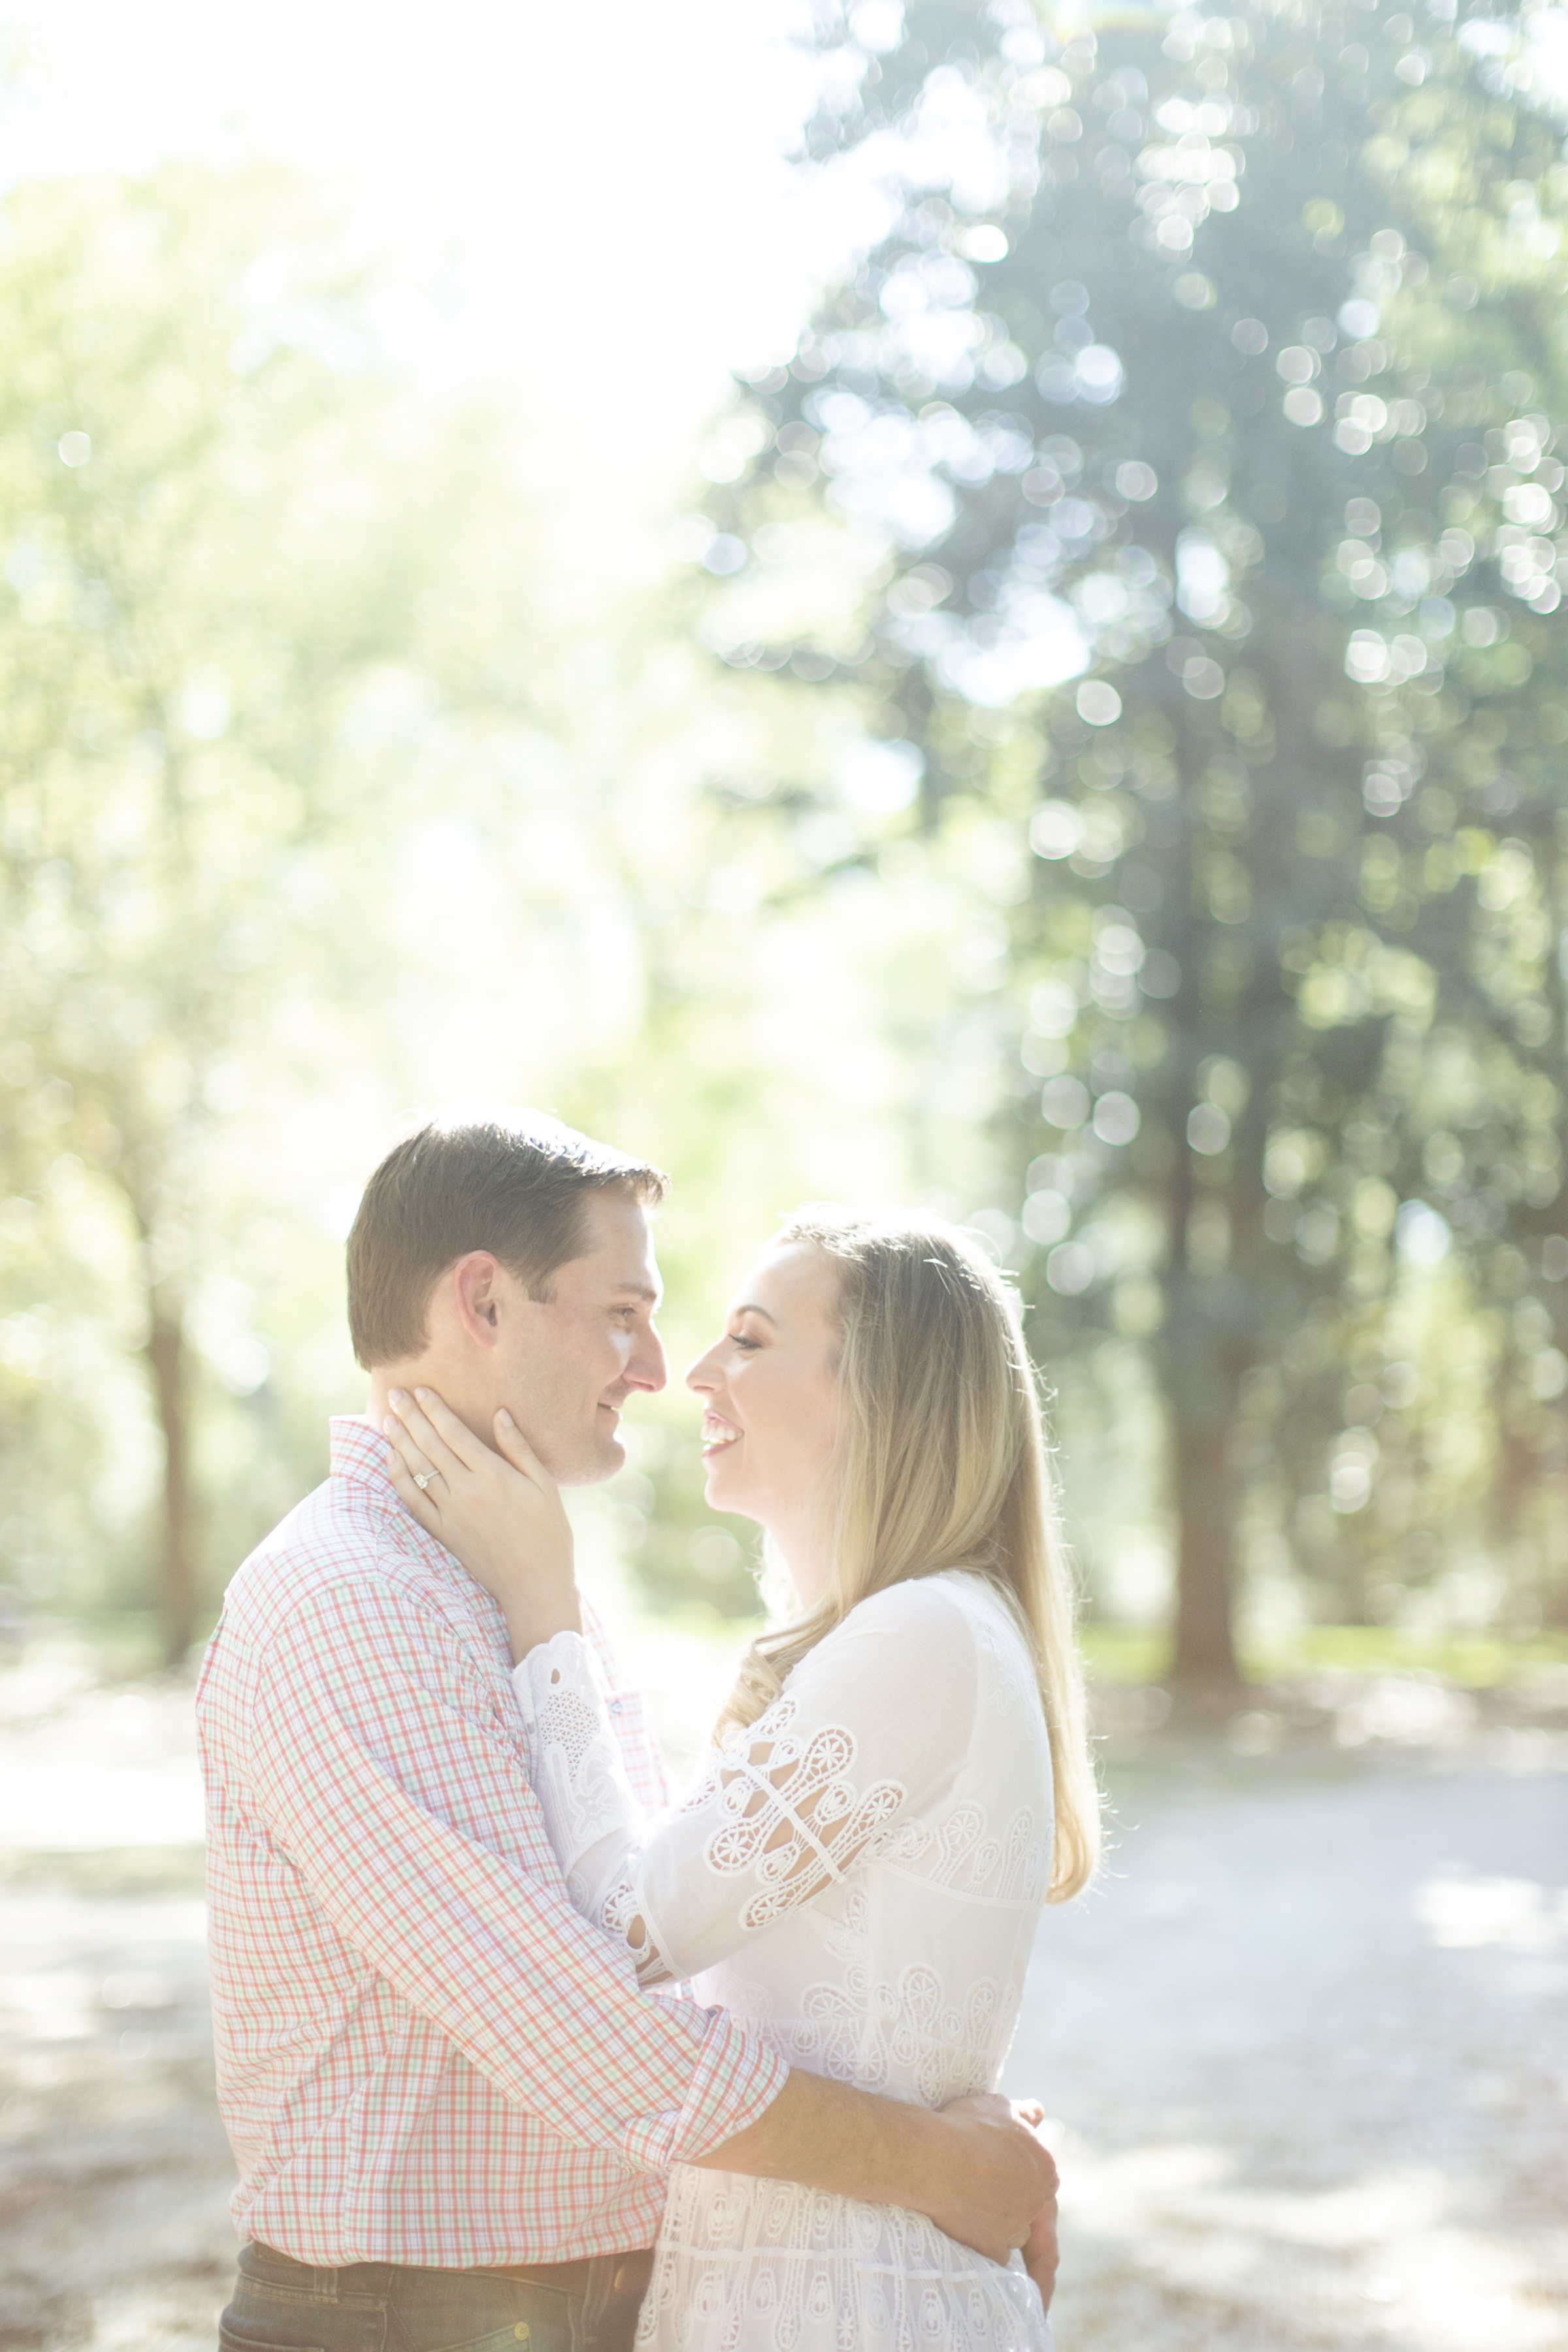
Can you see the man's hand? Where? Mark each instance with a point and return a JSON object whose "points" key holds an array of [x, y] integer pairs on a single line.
{"points": [[1041, 2252], [977, 2168], [999, 2180]]}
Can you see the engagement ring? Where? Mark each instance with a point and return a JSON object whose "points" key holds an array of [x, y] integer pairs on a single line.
{"points": [[422, 1479]]}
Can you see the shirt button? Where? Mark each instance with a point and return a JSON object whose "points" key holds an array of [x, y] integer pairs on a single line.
{"points": [[521, 2331]]}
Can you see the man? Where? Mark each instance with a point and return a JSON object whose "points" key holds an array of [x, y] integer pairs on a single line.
{"points": [[450, 2103]]}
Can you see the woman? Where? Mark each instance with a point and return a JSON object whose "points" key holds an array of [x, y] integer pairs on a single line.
{"points": [[859, 1869]]}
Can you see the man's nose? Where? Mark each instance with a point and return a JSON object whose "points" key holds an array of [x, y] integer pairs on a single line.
{"points": [[649, 1366]]}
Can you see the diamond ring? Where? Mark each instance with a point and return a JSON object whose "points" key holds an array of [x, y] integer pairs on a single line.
{"points": [[422, 1479]]}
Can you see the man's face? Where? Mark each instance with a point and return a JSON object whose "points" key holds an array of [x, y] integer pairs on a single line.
{"points": [[564, 1365]]}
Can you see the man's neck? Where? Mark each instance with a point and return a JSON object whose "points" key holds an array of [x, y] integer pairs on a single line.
{"points": [[377, 1406], [424, 1374], [387, 1377]]}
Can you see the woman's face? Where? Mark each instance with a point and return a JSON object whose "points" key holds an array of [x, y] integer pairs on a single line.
{"points": [[769, 1398]]}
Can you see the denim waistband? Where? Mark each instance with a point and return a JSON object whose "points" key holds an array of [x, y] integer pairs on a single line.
{"points": [[631, 2271]]}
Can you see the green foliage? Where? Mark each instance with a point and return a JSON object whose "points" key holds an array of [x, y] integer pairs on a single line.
{"points": [[1127, 797], [242, 563], [337, 781], [1219, 367], [195, 586]]}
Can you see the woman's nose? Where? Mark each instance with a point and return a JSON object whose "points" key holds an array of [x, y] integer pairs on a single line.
{"points": [[703, 1374]]}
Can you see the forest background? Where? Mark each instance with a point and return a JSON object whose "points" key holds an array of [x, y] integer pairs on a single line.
{"points": [[1074, 739]]}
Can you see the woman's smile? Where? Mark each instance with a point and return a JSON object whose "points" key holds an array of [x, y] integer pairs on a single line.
{"points": [[771, 1380]]}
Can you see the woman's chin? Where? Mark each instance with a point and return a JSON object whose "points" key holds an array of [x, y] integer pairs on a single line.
{"points": [[724, 1488]]}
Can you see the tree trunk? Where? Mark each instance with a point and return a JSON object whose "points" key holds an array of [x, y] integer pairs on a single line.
{"points": [[1200, 1383], [1205, 1665], [177, 1561]]}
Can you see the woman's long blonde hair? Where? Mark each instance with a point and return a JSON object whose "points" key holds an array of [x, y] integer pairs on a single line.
{"points": [[940, 1463]]}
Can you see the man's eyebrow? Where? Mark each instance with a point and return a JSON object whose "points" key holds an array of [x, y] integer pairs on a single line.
{"points": [[749, 1307], [637, 1290]]}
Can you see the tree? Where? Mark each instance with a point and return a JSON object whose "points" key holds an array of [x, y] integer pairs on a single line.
{"points": [[206, 567], [337, 779], [1172, 376]]}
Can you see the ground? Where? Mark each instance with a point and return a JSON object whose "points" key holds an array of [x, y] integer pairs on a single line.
{"points": [[1304, 2048], [1309, 2048]]}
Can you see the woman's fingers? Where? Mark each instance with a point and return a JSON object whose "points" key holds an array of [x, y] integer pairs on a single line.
{"points": [[419, 1467], [430, 1437], [412, 1493], [422, 1430], [455, 1434], [512, 1443]]}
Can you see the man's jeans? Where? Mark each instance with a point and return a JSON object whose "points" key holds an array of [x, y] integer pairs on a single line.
{"points": [[280, 2305]]}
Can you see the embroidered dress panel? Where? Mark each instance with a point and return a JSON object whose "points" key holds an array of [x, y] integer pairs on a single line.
{"points": [[856, 1877]]}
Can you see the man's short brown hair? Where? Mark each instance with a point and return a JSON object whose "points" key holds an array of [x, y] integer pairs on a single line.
{"points": [[515, 1185]]}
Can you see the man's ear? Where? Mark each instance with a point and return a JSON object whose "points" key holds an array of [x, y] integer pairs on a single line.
{"points": [[477, 1282]]}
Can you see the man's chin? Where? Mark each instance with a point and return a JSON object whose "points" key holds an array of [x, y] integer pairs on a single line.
{"points": [[592, 1467]]}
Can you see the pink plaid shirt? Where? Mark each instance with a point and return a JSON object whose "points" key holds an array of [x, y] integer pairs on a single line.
{"points": [[425, 2054]]}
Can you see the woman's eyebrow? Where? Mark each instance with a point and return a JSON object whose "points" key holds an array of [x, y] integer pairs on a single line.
{"points": [[747, 1306]]}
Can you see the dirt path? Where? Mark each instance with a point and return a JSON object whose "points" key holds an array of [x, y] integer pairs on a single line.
{"points": [[1307, 2046], [114, 2171], [1311, 2045]]}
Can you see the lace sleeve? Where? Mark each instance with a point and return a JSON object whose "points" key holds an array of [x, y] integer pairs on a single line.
{"points": [[635, 1734], [873, 1726], [594, 1817]]}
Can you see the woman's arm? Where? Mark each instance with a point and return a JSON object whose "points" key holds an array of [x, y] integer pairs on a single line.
{"points": [[875, 1721], [591, 1811], [499, 1512], [635, 1734], [870, 1732]]}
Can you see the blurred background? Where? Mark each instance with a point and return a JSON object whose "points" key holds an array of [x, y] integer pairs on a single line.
{"points": [[953, 602]]}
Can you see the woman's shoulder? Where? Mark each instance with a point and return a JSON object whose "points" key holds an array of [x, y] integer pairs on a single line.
{"points": [[907, 1658], [950, 1606], [959, 1612], [943, 1650]]}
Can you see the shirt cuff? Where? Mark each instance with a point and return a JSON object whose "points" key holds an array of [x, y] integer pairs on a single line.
{"points": [[734, 2082]]}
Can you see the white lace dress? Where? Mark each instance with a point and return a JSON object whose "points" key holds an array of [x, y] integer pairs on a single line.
{"points": [[858, 1877]]}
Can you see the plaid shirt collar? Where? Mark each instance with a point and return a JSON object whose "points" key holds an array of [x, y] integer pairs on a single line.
{"points": [[359, 1451]]}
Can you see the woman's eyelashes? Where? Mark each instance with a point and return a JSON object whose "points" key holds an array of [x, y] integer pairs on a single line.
{"points": [[740, 1339]]}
